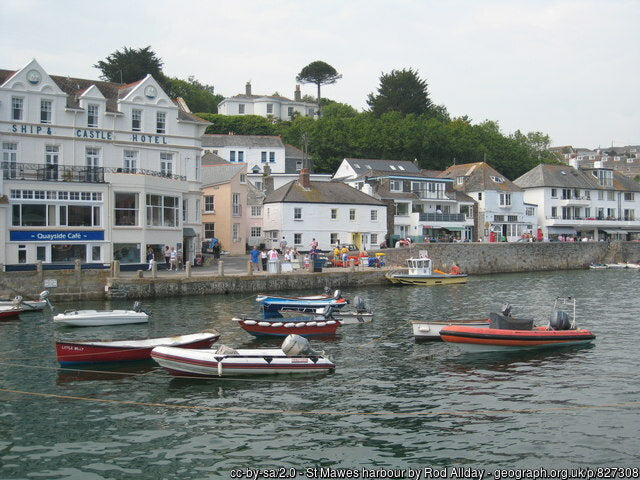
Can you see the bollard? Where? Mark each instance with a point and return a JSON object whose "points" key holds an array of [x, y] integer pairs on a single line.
{"points": [[249, 268], [221, 268], [352, 265], [139, 274], [187, 269], [154, 269], [115, 268]]}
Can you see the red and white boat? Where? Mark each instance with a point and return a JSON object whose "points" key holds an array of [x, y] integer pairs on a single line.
{"points": [[102, 351], [10, 311], [295, 356], [508, 334], [304, 326]]}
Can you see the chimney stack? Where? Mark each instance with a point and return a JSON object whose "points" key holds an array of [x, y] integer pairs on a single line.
{"points": [[247, 88], [297, 96], [267, 180], [304, 178]]}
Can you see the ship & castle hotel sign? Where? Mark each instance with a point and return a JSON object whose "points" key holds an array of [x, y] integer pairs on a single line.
{"points": [[88, 133]]}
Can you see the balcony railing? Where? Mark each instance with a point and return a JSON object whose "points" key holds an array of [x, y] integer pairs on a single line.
{"points": [[442, 217], [424, 195], [65, 173]]}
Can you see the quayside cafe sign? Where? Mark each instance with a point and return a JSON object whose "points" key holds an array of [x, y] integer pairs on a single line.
{"points": [[88, 133], [55, 235]]}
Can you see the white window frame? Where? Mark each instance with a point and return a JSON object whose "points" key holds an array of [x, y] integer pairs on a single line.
{"points": [[136, 120], [46, 111], [209, 204], [297, 213], [93, 112], [17, 106], [130, 161], [161, 122], [166, 163]]}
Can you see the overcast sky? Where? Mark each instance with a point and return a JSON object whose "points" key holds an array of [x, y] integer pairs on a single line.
{"points": [[570, 69]]}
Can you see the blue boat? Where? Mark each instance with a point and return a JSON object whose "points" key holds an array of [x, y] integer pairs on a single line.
{"points": [[307, 304]]}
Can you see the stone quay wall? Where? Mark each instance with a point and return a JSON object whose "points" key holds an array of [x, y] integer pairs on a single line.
{"points": [[473, 258]]}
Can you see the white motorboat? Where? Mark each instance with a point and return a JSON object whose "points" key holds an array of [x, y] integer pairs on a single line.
{"points": [[29, 305], [99, 318], [295, 356]]}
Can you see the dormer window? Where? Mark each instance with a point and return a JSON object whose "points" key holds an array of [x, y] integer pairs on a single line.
{"points": [[392, 167], [497, 179], [459, 180]]}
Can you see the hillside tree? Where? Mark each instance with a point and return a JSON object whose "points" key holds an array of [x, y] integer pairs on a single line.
{"points": [[318, 73]]}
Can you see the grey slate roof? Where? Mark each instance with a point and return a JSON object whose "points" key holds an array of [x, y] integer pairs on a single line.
{"points": [[112, 92], [293, 152], [218, 174], [553, 176], [213, 159], [478, 178], [248, 141], [362, 165], [321, 192], [559, 176]]}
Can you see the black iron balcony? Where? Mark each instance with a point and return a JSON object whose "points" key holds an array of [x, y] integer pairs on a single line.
{"points": [[64, 173]]}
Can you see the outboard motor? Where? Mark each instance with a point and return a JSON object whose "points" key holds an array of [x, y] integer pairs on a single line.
{"points": [[44, 294], [326, 290], [337, 294], [560, 320], [296, 345], [359, 304], [136, 307], [506, 309], [327, 311]]}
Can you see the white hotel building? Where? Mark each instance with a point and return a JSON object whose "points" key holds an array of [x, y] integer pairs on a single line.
{"points": [[95, 171]]}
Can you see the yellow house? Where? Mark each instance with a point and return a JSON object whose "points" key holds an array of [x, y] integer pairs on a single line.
{"points": [[224, 202]]}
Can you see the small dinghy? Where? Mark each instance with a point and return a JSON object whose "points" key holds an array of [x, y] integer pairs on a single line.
{"points": [[9, 312], [308, 304], [103, 351], [295, 356], [29, 305], [281, 327], [360, 313], [99, 318], [505, 333]]}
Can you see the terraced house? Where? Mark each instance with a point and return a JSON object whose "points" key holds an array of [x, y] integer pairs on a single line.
{"points": [[95, 171]]}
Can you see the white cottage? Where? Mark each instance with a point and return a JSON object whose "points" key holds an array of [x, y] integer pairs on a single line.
{"points": [[329, 212]]}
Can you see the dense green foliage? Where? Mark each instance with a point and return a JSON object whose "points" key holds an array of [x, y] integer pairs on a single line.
{"points": [[401, 91], [130, 65], [199, 97]]}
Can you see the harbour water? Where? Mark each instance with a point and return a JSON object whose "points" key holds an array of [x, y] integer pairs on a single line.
{"points": [[393, 408]]}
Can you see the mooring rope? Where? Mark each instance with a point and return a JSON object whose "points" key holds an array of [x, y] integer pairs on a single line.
{"points": [[323, 412]]}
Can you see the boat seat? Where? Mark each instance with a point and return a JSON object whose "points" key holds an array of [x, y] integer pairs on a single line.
{"points": [[501, 322]]}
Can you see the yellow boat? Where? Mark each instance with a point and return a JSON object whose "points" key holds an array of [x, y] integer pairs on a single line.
{"points": [[420, 272]]}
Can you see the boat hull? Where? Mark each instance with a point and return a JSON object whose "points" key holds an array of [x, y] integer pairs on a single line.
{"points": [[476, 339], [426, 280], [97, 318], [284, 328], [74, 353], [9, 313], [430, 330], [207, 363]]}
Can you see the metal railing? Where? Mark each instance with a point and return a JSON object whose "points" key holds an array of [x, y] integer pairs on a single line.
{"points": [[65, 173], [442, 217]]}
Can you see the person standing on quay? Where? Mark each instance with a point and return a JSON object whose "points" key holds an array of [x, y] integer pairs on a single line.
{"points": [[167, 256], [264, 258], [255, 254], [150, 257], [173, 260]]}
